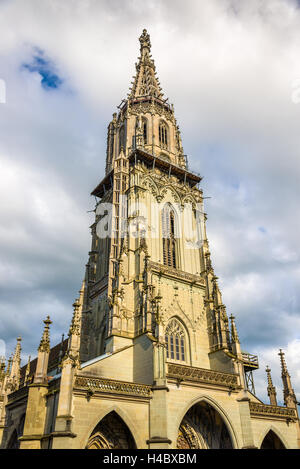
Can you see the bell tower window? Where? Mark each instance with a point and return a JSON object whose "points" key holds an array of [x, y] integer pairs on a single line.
{"points": [[163, 135], [169, 236], [175, 341]]}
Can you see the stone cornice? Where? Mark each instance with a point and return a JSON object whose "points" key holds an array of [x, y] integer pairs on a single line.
{"points": [[202, 375], [175, 273], [267, 411], [102, 385]]}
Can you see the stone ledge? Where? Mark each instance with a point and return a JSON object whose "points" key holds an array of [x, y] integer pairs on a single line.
{"points": [[94, 384], [266, 410], [202, 375]]}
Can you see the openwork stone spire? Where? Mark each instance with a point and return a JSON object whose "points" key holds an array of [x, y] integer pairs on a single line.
{"points": [[27, 371], [15, 370], [75, 324], [234, 333], [288, 392], [271, 388], [45, 341], [145, 81]]}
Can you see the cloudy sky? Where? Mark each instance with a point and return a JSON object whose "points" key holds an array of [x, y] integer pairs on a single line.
{"points": [[232, 70]]}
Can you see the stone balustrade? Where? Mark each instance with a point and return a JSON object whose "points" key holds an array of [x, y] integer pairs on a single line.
{"points": [[93, 384]]}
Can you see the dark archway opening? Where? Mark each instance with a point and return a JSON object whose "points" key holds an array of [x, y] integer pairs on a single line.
{"points": [[14, 442], [271, 441], [111, 433], [203, 428]]}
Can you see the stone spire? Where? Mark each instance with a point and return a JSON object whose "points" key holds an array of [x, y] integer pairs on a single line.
{"points": [[69, 366], [271, 388], [27, 371], [75, 323], [15, 370], [72, 353], [45, 340], [43, 355], [61, 354], [145, 81], [288, 392], [2, 372], [9, 362], [234, 333], [235, 341]]}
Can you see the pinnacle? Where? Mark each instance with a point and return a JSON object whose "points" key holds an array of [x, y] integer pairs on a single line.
{"points": [[45, 340], [145, 81], [283, 363]]}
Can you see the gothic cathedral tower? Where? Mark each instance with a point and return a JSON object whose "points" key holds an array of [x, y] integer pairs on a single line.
{"points": [[149, 271], [152, 360]]}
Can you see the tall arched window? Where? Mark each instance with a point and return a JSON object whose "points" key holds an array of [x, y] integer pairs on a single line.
{"points": [[163, 135], [169, 236], [175, 341]]}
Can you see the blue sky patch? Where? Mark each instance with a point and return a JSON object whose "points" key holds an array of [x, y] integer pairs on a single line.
{"points": [[50, 79]]}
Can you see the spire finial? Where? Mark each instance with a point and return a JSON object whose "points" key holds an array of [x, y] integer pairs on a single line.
{"points": [[45, 340], [9, 362], [27, 371], [15, 367], [271, 388], [283, 363], [145, 82], [145, 40], [288, 391], [17, 354], [75, 324], [234, 333]]}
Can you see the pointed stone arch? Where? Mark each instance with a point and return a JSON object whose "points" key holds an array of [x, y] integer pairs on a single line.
{"points": [[272, 439], [179, 311], [111, 433], [188, 198], [148, 182], [175, 194], [191, 435], [123, 416]]}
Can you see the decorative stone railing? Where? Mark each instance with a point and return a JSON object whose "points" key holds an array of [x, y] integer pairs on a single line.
{"points": [[164, 269], [201, 375], [265, 410], [93, 385]]}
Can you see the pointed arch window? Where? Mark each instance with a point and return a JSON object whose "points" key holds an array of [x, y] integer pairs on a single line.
{"points": [[175, 341], [169, 236], [163, 135]]}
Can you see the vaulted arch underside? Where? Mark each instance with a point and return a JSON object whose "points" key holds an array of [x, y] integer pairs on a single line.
{"points": [[272, 441], [203, 428], [14, 442], [111, 433]]}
